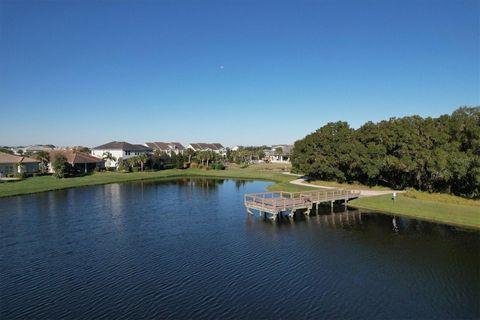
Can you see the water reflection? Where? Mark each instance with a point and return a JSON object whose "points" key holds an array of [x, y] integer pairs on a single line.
{"points": [[187, 249]]}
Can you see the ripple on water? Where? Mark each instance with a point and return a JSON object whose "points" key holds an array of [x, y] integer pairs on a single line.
{"points": [[188, 250]]}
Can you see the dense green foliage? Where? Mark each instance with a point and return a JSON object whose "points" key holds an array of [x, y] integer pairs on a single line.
{"points": [[60, 166], [432, 154]]}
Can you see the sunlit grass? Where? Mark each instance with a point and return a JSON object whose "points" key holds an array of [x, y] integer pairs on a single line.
{"points": [[441, 197], [448, 213], [357, 186]]}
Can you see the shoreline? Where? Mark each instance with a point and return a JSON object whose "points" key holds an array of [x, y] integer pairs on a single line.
{"points": [[432, 211], [48, 183]]}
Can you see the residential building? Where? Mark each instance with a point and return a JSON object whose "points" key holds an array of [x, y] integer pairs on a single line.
{"points": [[11, 164], [167, 147], [34, 149], [120, 150], [215, 147], [279, 153], [80, 161]]}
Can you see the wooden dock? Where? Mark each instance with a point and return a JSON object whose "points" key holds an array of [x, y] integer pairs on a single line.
{"points": [[275, 203]]}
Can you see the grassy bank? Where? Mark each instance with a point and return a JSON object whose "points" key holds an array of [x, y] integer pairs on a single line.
{"points": [[356, 186], [49, 183], [431, 207], [435, 211]]}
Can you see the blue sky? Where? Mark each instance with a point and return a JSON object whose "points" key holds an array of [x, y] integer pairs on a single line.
{"points": [[235, 72]]}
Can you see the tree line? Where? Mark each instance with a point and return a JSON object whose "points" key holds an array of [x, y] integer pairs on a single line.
{"points": [[430, 154]]}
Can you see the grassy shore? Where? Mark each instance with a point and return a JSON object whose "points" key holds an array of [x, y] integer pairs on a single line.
{"points": [[49, 183], [431, 207], [356, 186], [448, 213]]}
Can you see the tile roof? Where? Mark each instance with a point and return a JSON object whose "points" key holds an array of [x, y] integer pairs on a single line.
{"points": [[207, 146], [6, 158], [75, 157], [165, 146], [122, 145], [177, 145]]}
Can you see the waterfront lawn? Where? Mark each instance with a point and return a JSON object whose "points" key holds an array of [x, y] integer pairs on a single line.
{"points": [[441, 197], [447, 213], [49, 183], [356, 186]]}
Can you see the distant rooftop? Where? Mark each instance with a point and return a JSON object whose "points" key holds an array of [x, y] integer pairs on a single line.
{"points": [[165, 145], [207, 146], [122, 145]]}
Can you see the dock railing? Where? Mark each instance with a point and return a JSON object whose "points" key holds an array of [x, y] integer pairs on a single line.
{"points": [[281, 201]]}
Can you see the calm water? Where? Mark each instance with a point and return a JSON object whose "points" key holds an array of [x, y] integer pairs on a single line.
{"points": [[188, 249]]}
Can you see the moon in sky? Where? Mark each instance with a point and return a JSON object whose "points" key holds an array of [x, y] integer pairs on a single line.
{"points": [[222, 66]]}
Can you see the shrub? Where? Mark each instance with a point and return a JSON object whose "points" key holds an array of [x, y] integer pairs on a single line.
{"points": [[59, 166], [217, 166], [22, 175]]}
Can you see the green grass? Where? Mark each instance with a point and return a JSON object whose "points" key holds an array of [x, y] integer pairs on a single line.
{"points": [[49, 183], [447, 213], [267, 167], [347, 185], [442, 197]]}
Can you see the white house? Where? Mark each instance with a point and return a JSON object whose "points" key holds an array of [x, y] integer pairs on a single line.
{"points": [[215, 147], [167, 147], [279, 153], [119, 150]]}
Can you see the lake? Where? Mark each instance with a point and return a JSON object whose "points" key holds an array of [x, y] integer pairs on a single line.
{"points": [[188, 249]]}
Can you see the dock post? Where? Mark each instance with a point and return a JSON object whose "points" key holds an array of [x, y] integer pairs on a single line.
{"points": [[331, 204], [291, 214]]}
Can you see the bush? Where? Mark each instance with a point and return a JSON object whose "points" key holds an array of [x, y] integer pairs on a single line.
{"points": [[22, 175], [217, 166], [60, 166]]}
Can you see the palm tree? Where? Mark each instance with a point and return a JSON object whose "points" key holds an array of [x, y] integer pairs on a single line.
{"points": [[44, 158], [107, 156], [132, 162], [142, 159], [279, 152], [189, 153], [208, 156]]}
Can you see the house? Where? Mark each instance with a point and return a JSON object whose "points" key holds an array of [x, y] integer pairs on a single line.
{"points": [[11, 164], [80, 161], [120, 150], [167, 147], [279, 153], [34, 149], [215, 147]]}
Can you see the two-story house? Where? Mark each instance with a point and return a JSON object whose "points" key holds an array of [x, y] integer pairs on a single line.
{"points": [[119, 150]]}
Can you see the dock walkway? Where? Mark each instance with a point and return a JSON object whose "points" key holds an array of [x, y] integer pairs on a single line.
{"points": [[274, 203]]}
